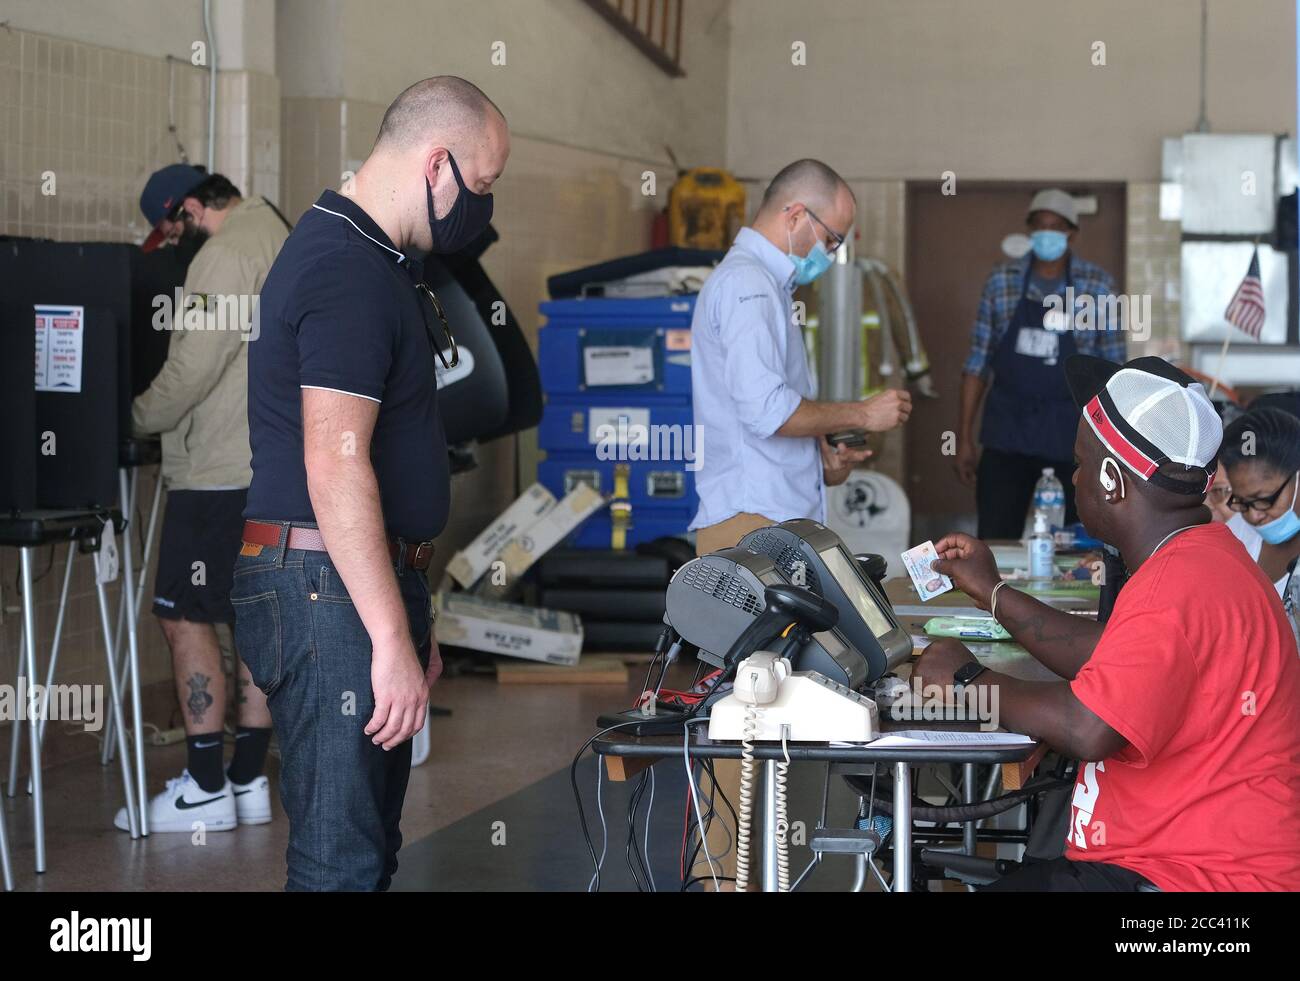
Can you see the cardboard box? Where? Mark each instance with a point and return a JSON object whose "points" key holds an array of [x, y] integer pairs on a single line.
{"points": [[469, 564], [547, 532], [532, 633]]}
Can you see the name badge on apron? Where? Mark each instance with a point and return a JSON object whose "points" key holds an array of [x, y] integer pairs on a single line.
{"points": [[1034, 342]]}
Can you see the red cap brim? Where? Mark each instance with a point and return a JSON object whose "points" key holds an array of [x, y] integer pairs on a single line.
{"points": [[155, 239]]}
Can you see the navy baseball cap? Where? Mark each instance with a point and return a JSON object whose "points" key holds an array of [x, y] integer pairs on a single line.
{"points": [[164, 190]]}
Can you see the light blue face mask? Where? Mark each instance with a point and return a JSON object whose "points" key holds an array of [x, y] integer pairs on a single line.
{"points": [[807, 268], [1049, 245], [1284, 527]]}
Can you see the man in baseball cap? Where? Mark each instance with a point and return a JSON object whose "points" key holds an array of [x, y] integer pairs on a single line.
{"points": [[198, 406], [1183, 710], [1024, 331], [163, 199]]}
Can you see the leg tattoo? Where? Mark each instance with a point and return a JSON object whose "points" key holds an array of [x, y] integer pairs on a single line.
{"points": [[199, 701]]}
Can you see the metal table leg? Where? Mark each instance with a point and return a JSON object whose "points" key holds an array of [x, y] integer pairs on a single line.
{"points": [[33, 708], [769, 827], [133, 653], [137, 595], [859, 873], [16, 729], [54, 646], [968, 797], [115, 703], [5, 867], [902, 827]]}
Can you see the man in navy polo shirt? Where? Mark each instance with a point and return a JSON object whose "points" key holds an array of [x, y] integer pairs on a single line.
{"points": [[350, 479]]}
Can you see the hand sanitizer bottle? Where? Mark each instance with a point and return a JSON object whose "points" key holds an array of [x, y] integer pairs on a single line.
{"points": [[1042, 550]]}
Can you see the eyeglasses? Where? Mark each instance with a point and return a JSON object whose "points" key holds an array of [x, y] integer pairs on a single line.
{"points": [[424, 291], [839, 239], [1235, 503], [1220, 494]]}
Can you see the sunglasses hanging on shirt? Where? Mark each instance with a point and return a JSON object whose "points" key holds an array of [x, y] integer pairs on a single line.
{"points": [[424, 291]]}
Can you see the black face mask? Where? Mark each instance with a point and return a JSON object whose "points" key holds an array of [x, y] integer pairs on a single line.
{"points": [[466, 220]]}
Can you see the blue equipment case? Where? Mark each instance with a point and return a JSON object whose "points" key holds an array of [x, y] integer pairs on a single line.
{"points": [[617, 372]]}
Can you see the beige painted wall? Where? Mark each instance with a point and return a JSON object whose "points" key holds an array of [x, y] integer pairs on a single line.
{"points": [[569, 77], [243, 30], [998, 90]]}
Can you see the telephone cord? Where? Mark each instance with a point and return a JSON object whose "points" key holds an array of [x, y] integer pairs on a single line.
{"points": [[745, 814]]}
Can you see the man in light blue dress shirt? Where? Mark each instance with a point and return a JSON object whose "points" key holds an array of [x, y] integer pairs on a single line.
{"points": [[767, 458]]}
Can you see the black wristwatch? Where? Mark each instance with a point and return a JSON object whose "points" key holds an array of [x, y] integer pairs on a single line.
{"points": [[967, 673]]}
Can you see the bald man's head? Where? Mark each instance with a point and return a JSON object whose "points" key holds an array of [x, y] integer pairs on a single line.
{"points": [[806, 202], [441, 141], [445, 107], [808, 182]]}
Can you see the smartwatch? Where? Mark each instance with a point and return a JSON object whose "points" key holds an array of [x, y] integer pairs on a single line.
{"points": [[967, 673]]}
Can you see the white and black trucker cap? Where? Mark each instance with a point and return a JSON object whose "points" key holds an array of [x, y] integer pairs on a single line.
{"points": [[1149, 414]]}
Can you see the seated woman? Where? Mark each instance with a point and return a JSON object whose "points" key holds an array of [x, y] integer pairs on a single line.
{"points": [[1261, 454]]}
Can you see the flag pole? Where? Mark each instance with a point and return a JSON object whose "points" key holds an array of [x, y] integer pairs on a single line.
{"points": [[1223, 356], [1227, 338]]}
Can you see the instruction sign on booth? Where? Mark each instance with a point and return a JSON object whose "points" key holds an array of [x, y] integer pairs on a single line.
{"points": [[60, 343]]}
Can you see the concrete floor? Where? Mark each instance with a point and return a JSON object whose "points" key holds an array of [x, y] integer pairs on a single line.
{"points": [[500, 762]]}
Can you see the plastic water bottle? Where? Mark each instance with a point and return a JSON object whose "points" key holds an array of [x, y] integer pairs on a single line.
{"points": [[1042, 550], [1049, 497]]}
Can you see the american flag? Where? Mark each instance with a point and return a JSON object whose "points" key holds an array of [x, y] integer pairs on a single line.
{"points": [[1246, 311]]}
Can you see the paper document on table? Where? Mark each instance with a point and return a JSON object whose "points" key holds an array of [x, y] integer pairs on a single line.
{"points": [[949, 739]]}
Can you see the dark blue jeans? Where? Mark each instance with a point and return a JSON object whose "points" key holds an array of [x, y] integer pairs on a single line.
{"points": [[307, 649]]}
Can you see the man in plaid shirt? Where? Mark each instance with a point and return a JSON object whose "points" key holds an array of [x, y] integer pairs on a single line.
{"points": [[1035, 312]]}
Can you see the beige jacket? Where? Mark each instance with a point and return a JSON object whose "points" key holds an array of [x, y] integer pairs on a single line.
{"points": [[199, 401]]}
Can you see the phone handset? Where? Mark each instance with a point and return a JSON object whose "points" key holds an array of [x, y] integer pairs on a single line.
{"points": [[759, 677]]}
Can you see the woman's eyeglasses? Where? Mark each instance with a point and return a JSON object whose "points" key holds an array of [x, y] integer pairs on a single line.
{"points": [[1241, 506], [424, 291]]}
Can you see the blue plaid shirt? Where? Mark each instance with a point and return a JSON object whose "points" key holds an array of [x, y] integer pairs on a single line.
{"points": [[1002, 294]]}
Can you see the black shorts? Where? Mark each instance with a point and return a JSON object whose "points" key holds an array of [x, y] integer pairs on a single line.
{"points": [[201, 535]]}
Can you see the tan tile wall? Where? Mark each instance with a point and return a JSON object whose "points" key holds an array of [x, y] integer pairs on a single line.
{"points": [[98, 118], [1154, 268]]}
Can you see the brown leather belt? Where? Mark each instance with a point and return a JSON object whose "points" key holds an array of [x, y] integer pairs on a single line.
{"points": [[411, 555]]}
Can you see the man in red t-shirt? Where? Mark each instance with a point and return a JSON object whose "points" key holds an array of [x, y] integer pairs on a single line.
{"points": [[1184, 709]]}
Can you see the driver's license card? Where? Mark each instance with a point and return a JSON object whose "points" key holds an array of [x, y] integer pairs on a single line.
{"points": [[928, 583]]}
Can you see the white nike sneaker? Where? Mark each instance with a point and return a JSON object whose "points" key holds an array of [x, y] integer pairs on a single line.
{"points": [[185, 803], [253, 801]]}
